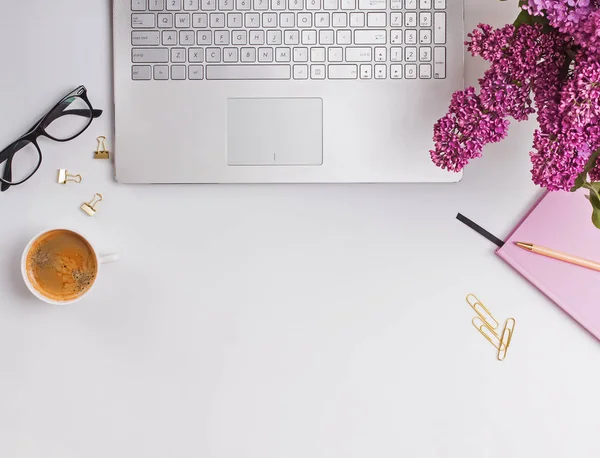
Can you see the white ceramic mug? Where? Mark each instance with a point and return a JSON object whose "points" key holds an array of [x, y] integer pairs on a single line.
{"points": [[100, 259]]}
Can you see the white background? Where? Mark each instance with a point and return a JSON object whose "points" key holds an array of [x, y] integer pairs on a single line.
{"points": [[271, 321]]}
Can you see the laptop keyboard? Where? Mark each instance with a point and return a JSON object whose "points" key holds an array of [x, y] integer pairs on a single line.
{"points": [[288, 39]]}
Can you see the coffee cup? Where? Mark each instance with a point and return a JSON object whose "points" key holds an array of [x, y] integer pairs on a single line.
{"points": [[60, 266]]}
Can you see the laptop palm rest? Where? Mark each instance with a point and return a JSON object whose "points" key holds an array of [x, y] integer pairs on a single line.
{"points": [[274, 131]]}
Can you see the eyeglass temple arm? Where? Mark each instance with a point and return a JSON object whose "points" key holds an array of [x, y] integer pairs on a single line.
{"points": [[6, 155]]}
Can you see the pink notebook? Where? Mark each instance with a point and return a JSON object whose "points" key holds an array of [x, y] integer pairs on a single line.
{"points": [[561, 221]]}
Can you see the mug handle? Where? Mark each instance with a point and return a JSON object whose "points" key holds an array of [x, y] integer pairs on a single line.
{"points": [[106, 258]]}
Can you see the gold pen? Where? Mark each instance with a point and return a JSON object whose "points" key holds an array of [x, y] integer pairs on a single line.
{"points": [[550, 253]]}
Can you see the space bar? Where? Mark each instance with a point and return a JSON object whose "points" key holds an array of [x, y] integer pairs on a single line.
{"points": [[248, 72]]}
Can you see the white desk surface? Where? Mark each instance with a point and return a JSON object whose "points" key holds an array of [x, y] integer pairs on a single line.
{"points": [[271, 321]]}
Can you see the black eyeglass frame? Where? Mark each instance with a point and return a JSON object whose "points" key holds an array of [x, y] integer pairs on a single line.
{"points": [[39, 130]]}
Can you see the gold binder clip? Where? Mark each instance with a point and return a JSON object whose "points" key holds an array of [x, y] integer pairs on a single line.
{"points": [[102, 152], [90, 207], [64, 176]]}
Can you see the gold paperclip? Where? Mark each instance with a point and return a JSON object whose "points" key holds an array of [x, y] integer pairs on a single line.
{"points": [[64, 176], [491, 336], [90, 207], [102, 152], [507, 332], [482, 311]]}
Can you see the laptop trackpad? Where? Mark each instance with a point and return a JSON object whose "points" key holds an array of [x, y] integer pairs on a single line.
{"points": [[275, 131]]}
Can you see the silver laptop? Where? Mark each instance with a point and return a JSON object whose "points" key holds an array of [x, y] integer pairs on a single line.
{"points": [[283, 91]]}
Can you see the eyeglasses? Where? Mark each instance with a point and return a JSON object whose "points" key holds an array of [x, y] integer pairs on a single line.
{"points": [[67, 120]]}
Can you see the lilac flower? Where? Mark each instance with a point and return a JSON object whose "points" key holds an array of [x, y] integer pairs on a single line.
{"points": [[461, 134]]}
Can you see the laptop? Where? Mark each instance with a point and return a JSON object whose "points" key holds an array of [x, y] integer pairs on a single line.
{"points": [[283, 91]]}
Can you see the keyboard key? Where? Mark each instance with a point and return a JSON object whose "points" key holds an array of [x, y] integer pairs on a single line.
{"points": [[372, 4], [138, 5], [321, 19], [195, 55], [150, 55], [221, 37], [425, 4], [230, 55], [396, 71], [261, 5], [439, 4], [366, 71], [265, 54], [395, 54], [304, 20], [396, 4], [380, 71], [369, 37], [425, 54], [234, 20], [357, 19], [425, 19], [169, 38], [410, 54], [204, 37], [274, 37], [257, 37], [269, 20], [330, 5], [344, 37], [213, 55], [313, 4], [317, 54], [142, 21], [208, 5], [243, 5], [348, 4], [410, 37], [380, 54], [217, 20], [410, 71], [178, 55], [439, 28], [191, 5], [317, 72], [411, 4], [396, 37], [396, 19], [187, 38], [343, 72], [239, 37], [375, 19], [339, 20], [248, 72], [287, 20], [178, 72], [195, 72], [300, 72], [425, 71], [161, 72], [278, 5], [326, 37], [149, 38], [200, 20], [309, 37], [425, 37], [283, 55], [295, 4], [165, 21], [252, 20], [248, 54], [335, 54], [300, 54], [141, 72], [156, 5], [359, 55], [410, 19], [173, 5], [439, 63], [291, 37]]}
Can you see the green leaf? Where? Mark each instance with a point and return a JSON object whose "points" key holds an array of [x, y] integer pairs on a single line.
{"points": [[582, 178], [523, 18], [595, 201]]}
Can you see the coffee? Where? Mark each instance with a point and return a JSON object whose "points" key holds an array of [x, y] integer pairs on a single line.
{"points": [[61, 265]]}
